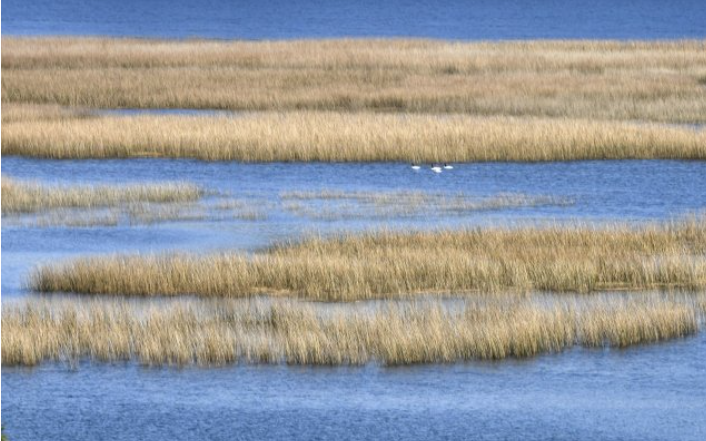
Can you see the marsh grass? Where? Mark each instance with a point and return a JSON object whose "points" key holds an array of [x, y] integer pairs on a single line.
{"points": [[392, 264], [609, 80], [391, 333], [335, 137]]}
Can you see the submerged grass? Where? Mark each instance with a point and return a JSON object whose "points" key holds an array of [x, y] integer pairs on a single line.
{"points": [[343, 205], [20, 196], [648, 80], [33, 204], [336, 137], [391, 333], [390, 264]]}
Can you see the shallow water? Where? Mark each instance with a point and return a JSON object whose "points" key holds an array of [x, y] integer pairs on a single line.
{"points": [[276, 19], [645, 393], [611, 191]]}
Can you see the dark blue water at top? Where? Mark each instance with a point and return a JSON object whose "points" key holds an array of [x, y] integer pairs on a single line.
{"points": [[284, 19]]}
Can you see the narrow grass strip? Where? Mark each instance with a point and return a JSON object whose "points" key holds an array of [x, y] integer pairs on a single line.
{"points": [[335, 137]]}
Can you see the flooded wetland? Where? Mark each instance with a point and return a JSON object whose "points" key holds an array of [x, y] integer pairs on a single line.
{"points": [[487, 236]]}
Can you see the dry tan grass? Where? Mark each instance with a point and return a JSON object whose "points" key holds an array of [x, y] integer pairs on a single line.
{"points": [[655, 81], [25, 197], [385, 265], [326, 136], [221, 332]]}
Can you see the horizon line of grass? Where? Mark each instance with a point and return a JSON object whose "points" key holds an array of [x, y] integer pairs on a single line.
{"points": [[304, 136], [395, 264], [389, 333], [21, 196], [658, 81]]}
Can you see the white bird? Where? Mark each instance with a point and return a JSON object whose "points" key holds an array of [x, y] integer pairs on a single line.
{"points": [[415, 166], [448, 167], [436, 168]]}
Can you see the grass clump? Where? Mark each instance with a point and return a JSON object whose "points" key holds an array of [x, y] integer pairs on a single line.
{"points": [[389, 264], [221, 332], [334, 137]]}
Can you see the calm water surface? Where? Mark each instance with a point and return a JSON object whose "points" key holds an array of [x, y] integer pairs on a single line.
{"points": [[648, 393], [277, 19]]}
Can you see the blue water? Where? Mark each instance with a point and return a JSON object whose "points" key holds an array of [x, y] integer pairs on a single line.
{"points": [[646, 393], [277, 19], [619, 190]]}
